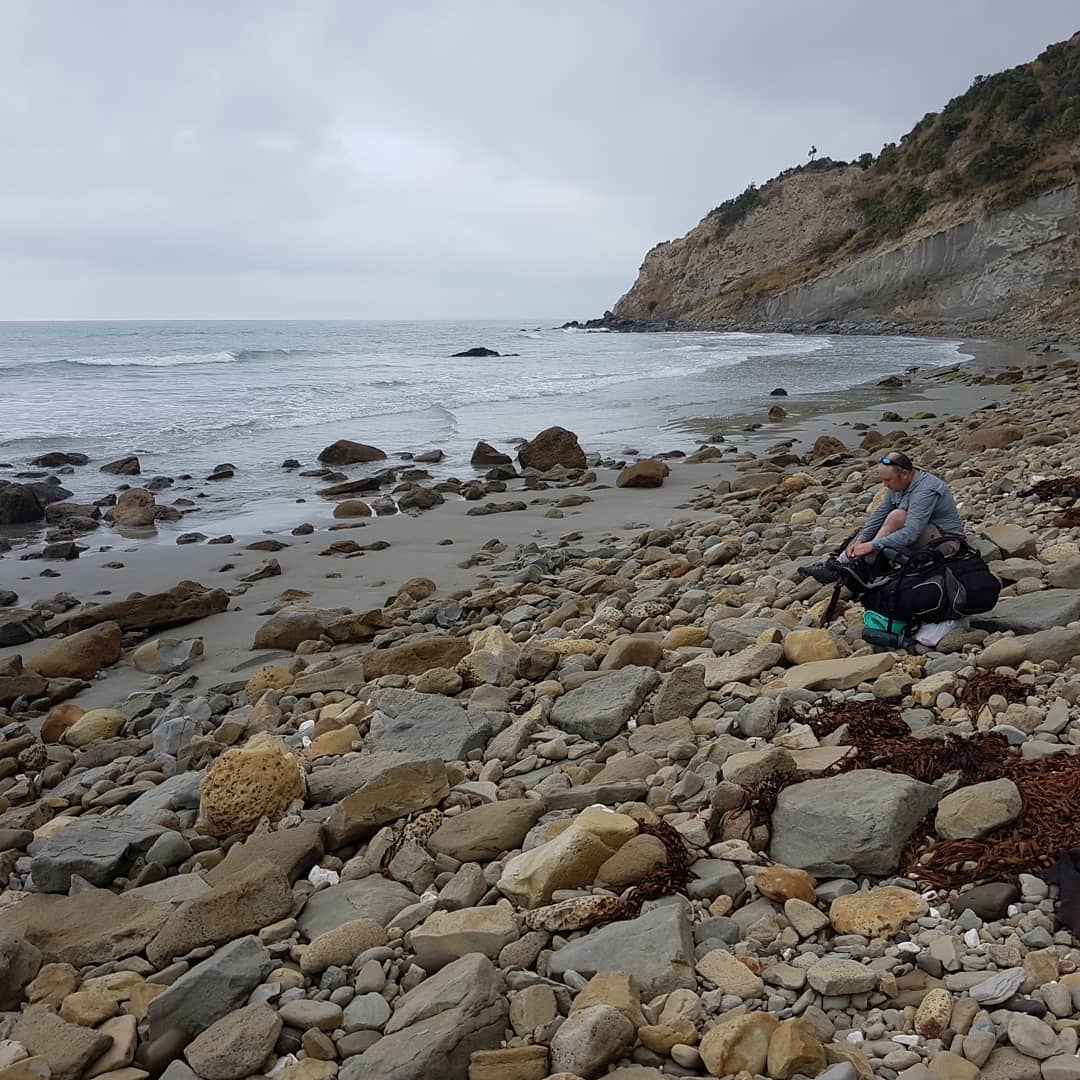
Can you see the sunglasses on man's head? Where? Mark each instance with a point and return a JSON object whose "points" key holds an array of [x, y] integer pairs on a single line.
{"points": [[905, 465]]}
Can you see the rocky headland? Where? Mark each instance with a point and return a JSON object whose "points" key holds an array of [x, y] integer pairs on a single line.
{"points": [[607, 803], [969, 224]]}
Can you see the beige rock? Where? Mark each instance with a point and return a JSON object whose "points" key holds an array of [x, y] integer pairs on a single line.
{"points": [[439, 681], [531, 1008], [808, 646], [782, 883], [67, 1048], [730, 976], [589, 1040], [972, 812], [636, 858], [740, 668], [333, 743], [635, 650], [166, 656], [268, 677], [647, 473], [135, 508], [446, 936], [492, 659], [123, 1032], [932, 1015], [841, 674], [91, 927], [510, 1063], [795, 1049], [1013, 540], [486, 832], [236, 1045], [926, 690], [246, 784], [240, 904], [94, 725], [342, 945], [738, 1043], [81, 655], [614, 988], [570, 860], [349, 508], [753, 766], [806, 918], [415, 657], [88, 1008], [949, 1066], [879, 912], [402, 787], [660, 1038], [679, 637]]}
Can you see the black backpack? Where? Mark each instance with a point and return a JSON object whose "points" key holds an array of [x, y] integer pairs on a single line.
{"points": [[948, 580]]}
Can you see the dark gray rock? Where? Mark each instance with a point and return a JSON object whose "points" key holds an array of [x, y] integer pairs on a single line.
{"points": [[19, 625], [430, 725], [220, 984], [759, 718], [600, 708], [436, 1027], [843, 826], [373, 897], [656, 949], [1034, 612], [97, 849], [990, 902], [180, 792]]}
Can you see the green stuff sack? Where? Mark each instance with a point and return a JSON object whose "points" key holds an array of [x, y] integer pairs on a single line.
{"points": [[880, 630]]}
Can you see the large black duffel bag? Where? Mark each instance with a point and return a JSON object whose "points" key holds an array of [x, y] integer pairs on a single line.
{"points": [[949, 580]]}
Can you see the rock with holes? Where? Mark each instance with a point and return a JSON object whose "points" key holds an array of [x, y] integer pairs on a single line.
{"points": [[246, 784]]}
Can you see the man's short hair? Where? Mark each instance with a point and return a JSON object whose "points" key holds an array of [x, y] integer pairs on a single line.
{"points": [[898, 460]]}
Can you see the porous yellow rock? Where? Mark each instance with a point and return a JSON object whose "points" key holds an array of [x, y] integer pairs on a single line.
{"points": [[268, 677], [879, 912], [246, 784]]}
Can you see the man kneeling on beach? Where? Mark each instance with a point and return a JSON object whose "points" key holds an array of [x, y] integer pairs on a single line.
{"points": [[918, 508]]}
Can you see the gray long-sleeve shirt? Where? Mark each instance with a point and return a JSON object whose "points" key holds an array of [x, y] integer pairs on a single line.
{"points": [[927, 500]]}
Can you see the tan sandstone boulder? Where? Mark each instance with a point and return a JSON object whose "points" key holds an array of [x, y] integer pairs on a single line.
{"points": [[245, 784], [80, 656]]}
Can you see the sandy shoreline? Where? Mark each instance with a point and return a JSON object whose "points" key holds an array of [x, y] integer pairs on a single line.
{"points": [[416, 543]]}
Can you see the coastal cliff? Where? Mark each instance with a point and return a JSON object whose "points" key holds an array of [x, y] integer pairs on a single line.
{"points": [[971, 223]]}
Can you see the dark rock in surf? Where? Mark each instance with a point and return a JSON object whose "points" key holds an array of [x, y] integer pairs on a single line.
{"points": [[476, 350], [778, 392], [347, 452], [125, 466]]}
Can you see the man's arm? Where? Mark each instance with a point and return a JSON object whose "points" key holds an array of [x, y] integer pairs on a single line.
{"points": [[875, 521], [920, 509]]}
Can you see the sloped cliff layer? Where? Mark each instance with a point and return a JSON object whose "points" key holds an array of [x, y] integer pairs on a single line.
{"points": [[971, 222]]}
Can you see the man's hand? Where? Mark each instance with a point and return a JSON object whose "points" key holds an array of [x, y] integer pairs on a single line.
{"points": [[859, 549]]}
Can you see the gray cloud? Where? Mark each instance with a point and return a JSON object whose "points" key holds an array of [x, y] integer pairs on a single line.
{"points": [[266, 158]]}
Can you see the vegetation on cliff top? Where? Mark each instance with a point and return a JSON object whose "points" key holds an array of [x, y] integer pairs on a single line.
{"points": [[1009, 137]]}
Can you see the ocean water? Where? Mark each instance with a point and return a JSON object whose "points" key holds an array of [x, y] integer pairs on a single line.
{"points": [[186, 396]]}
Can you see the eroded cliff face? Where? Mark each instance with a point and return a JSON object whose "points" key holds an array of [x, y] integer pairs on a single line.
{"points": [[961, 267]]}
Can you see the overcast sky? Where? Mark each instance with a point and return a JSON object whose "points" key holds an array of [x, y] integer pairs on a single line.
{"points": [[461, 159]]}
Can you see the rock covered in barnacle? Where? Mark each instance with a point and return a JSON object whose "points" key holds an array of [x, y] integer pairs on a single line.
{"points": [[575, 914]]}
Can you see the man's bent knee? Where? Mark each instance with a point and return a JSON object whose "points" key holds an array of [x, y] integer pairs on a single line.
{"points": [[894, 522]]}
